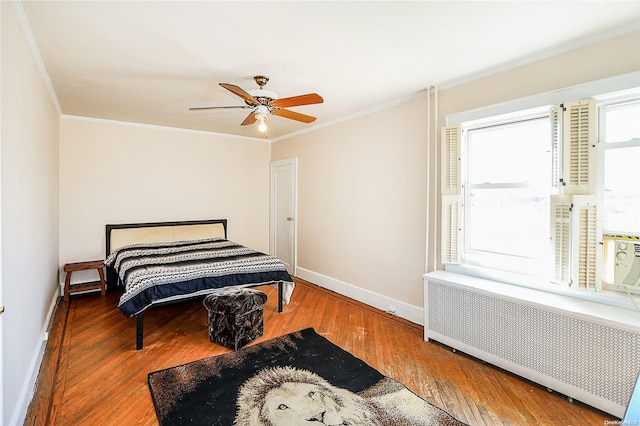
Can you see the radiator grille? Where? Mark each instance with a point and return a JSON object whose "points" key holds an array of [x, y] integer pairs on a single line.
{"points": [[598, 359]]}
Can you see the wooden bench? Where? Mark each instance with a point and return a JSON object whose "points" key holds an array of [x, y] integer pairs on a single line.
{"points": [[83, 266]]}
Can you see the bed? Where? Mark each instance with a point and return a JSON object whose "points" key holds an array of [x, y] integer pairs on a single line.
{"points": [[166, 262]]}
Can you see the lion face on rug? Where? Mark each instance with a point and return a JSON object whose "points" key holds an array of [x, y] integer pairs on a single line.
{"points": [[286, 396]]}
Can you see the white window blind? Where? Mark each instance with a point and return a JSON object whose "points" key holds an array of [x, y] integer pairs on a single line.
{"points": [[451, 247], [451, 189], [561, 207], [451, 140], [555, 116], [575, 241], [579, 142], [575, 223], [588, 259]]}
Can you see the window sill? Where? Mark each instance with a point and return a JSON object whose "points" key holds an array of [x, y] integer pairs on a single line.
{"points": [[604, 298]]}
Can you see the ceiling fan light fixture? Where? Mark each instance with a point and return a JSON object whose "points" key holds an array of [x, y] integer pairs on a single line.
{"points": [[262, 126], [261, 115]]}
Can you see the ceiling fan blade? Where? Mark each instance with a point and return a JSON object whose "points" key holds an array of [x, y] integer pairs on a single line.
{"points": [[311, 98], [219, 107], [293, 115], [238, 91], [251, 118]]}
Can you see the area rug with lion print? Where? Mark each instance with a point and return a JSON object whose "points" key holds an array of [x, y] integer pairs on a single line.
{"points": [[297, 379]]}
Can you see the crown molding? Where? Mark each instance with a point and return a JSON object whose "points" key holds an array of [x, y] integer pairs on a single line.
{"points": [[159, 127]]}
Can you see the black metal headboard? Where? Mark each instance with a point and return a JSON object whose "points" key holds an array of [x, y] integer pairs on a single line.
{"points": [[109, 228]]}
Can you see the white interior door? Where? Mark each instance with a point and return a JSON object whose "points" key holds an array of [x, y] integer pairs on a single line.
{"points": [[283, 210]]}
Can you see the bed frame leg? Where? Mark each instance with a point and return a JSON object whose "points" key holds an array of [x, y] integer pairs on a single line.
{"points": [[139, 331], [280, 295]]}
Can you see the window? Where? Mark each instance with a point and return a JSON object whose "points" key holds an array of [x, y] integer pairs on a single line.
{"points": [[538, 192], [622, 190], [620, 141], [506, 181], [620, 193]]}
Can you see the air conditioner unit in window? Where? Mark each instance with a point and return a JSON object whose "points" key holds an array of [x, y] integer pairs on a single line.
{"points": [[626, 271]]}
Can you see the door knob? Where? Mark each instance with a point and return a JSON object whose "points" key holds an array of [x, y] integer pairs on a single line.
{"points": [[289, 218]]}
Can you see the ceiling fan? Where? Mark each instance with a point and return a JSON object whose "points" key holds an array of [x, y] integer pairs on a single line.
{"points": [[264, 102]]}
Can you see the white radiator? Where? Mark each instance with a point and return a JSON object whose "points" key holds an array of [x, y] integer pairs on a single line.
{"points": [[579, 348]]}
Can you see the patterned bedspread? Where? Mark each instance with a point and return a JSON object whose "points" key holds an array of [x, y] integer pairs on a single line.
{"points": [[160, 272]]}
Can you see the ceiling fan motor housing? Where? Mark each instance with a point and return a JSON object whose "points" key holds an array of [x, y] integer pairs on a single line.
{"points": [[263, 96]]}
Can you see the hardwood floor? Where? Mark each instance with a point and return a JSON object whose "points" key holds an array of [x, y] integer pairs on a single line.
{"points": [[92, 374]]}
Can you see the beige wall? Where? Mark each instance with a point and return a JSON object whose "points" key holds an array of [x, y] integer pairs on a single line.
{"points": [[616, 56], [361, 200], [29, 215], [362, 183], [117, 173]]}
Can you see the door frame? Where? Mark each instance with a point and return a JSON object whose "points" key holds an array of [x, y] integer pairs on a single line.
{"points": [[272, 207]]}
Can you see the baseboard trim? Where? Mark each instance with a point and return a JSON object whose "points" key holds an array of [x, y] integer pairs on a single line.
{"points": [[28, 387], [412, 313]]}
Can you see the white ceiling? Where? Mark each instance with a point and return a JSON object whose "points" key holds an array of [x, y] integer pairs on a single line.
{"points": [[149, 61]]}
